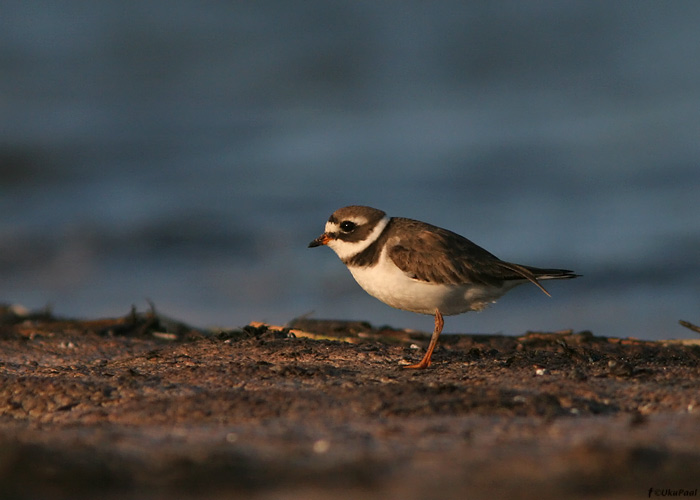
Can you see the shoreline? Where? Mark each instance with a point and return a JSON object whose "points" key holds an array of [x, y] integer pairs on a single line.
{"points": [[148, 407]]}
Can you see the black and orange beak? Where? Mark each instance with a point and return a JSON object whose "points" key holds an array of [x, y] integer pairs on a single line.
{"points": [[321, 240]]}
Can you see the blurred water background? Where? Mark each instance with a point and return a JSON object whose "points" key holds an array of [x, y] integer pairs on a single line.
{"points": [[186, 153]]}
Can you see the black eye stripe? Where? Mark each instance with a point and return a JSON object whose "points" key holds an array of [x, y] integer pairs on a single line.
{"points": [[346, 226]]}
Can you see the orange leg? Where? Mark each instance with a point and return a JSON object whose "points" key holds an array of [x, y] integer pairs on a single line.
{"points": [[425, 362]]}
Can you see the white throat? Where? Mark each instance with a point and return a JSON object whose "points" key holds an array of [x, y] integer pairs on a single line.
{"points": [[347, 249]]}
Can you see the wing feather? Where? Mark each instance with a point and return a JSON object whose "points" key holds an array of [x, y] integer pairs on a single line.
{"points": [[435, 255]]}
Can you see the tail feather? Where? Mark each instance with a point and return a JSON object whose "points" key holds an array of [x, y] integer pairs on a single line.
{"points": [[533, 274], [553, 274]]}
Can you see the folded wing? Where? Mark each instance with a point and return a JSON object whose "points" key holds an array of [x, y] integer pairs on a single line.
{"points": [[439, 256]]}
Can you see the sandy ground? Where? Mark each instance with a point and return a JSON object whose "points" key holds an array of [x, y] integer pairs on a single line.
{"points": [[144, 407]]}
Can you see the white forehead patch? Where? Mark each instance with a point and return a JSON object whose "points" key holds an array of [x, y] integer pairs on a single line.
{"points": [[346, 249], [334, 227]]}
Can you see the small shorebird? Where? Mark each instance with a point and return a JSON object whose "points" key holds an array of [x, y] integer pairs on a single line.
{"points": [[422, 268]]}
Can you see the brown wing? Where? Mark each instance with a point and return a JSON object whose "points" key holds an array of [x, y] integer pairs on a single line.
{"points": [[435, 255]]}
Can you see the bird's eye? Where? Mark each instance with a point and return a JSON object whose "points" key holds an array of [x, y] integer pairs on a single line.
{"points": [[346, 226]]}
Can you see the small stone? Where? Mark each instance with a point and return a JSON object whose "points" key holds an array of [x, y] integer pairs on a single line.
{"points": [[321, 446]]}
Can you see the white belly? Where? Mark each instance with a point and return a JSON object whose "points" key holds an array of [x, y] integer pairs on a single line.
{"points": [[392, 286]]}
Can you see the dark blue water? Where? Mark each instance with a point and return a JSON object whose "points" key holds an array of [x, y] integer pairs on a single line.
{"points": [[186, 154]]}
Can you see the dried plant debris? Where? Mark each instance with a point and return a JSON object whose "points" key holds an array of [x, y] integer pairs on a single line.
{"points": [[689, 325]]}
